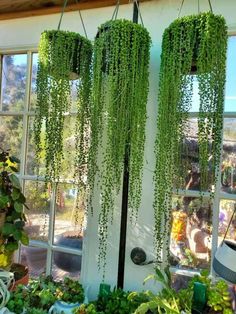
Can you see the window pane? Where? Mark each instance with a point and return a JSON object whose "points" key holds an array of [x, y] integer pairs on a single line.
{"points": [[65, 264], [228, 169], [69, 217], [38, 201], [191, 232], [31, 165], [33, 81], [67, 165], [230, 93], [226, 211], [14, 70], [11, 134], [189, 176], [35, 258]]}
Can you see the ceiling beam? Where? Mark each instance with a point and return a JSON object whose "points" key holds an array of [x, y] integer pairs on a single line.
{"points": [[90, 4]]}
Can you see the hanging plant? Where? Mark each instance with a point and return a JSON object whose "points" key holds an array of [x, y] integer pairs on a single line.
{"points": [[62, 56], [120, 89], [193, 43]]}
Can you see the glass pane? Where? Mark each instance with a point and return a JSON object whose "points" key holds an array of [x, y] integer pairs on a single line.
{"points": [[14, 70], [189, 176], [74, 97], [226, 211], [35, 258], [65, 264], [33, 81], [69, 217], [11, 134], [38, 201], [67, 165], [230, 94], [228, 169], [31, 165], [191, 232]]}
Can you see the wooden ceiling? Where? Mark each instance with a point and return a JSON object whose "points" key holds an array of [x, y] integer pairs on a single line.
{"points": [[10, 9]]}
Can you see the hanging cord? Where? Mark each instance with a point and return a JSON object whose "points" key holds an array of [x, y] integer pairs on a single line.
{"points": [[229, 224], [209, 1], [62, 12], [182, 3], [139, 12], [115, 13], [82, 21], [180, 9]]}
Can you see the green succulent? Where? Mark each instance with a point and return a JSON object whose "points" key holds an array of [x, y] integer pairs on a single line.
{"points": [[118, 117], [199, 42], [62, 56]]}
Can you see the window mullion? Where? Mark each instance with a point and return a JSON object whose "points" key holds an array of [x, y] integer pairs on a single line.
{"points": [[216, 207]]}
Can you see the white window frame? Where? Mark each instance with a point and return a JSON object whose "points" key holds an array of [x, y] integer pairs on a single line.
{"points": [[219, 195], [26, 114]]}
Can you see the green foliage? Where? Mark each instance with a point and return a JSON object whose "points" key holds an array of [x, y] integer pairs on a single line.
{"points": [[170, 301], [199, 41], [118, 116], [62, 56], [86, 309], [11, 205], [118, 301], [70, 291], [167, 300], [218, 296], [41, 294]]}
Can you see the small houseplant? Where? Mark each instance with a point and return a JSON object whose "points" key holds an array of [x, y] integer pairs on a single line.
{"points": [[12, 203], [60, 54], [118, 114], [198, 40]]}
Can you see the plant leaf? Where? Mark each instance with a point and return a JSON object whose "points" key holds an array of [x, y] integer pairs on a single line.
{"points": [[15, 181]]}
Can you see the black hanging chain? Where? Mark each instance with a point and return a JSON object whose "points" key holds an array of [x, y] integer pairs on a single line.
{"points": [[209, 1], [115, 13], [62, 12], [139, 12], [81, 18], [182, 3], [180, 9], [82, 21]]}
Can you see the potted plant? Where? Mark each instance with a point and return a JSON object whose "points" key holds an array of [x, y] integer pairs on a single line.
{"points": [[60, 54], [12, 202], [199, 39], [69, 294], [120, 89]]}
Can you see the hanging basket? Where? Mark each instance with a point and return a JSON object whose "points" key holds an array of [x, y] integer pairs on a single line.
{"points": [[224, 262], [60, 53]]}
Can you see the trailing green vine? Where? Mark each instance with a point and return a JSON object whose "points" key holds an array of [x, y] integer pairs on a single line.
{"points": [[120, 88], [62, 56], [194, 42]]}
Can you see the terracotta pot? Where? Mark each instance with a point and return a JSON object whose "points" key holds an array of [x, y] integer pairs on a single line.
{"points": [[21, 274]]}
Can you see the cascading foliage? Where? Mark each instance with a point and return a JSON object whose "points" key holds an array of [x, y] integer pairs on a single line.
{"points": [[120, 89], [194, 42], [62, 56]]}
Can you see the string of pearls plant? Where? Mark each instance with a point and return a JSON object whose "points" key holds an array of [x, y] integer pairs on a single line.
{"points": [[199, 42], [63, 56], [120, 89]]}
